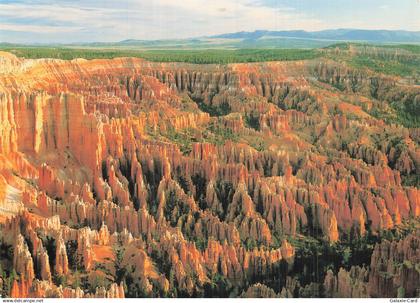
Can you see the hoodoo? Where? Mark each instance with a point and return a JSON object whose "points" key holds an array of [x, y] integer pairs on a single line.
{"points": [[128, 178]]}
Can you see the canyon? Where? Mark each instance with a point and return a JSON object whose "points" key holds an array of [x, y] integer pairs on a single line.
{"points": [[128, 178]]}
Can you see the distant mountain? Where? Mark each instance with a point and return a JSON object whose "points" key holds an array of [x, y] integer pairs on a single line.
{"points": [[277, 39], [384, 36], [258, 39]]}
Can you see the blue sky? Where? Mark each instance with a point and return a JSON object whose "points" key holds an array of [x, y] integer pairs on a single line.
{"points": [[45, 21]]}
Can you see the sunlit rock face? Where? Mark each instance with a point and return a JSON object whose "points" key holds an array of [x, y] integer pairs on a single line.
{"points": [[126, 178]]}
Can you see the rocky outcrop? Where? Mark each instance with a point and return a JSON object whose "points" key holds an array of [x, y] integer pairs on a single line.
{"points": [[22, 259], [347, 284], [61, 259], [129, 178], [259, 291], [394, 266]]}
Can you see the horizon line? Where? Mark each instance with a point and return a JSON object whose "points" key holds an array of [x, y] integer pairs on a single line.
{"points": [[226, 33]]}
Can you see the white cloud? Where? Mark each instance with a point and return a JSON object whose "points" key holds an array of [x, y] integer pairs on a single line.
{"points": [[158, 19], [241, 15], [109, 20], [37, 28]]}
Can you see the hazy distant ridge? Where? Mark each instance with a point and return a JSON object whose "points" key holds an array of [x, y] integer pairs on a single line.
{"points": [[336, 34], [262, 39]]}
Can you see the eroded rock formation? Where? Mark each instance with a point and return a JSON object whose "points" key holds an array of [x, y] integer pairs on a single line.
{"points": [[115, 181]]}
